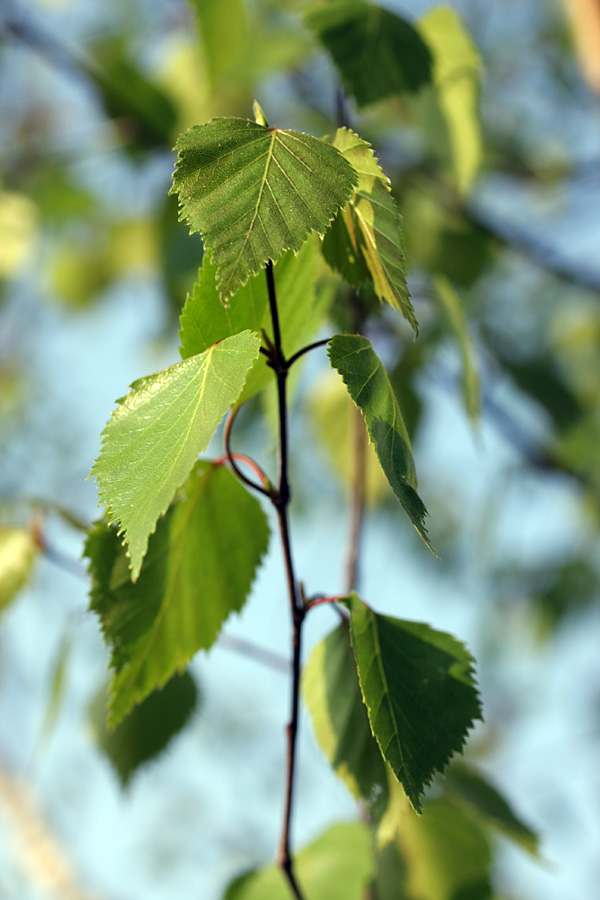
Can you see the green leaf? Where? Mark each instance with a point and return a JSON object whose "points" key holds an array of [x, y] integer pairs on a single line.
{"points": [[419, 690], [253, 192], [337, 866], [148, 729], [456, 319], [332, 693], [456, 75], [199, 568], [155, 434], [471, 790], [369, 386], [366, 236], [18, 551], [223, 30], [376, 52]]}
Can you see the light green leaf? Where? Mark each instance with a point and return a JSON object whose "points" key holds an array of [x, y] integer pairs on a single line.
{"points": [[332, 693], [199, 568], [223, 32], [150, 727], [369, 386], [456, 319], [456, 74], [471, 790], [253, 192], [376, 52], [338, 866], [420, 693], [366, 236], [153, 437], [17, 555]]}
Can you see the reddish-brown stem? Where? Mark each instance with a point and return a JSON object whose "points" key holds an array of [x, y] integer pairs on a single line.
{"points": [[231, 457]]}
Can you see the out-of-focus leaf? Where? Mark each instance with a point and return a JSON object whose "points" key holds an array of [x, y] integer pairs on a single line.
{"points": [[253, 192], [199, 568], [456, 75], [332, 693], [420, 693], [18, 230], [149, 728], [472, 791], [369, 386], [376, 52], [17, 555], [456, 320], [159, 428], [223, 31], [366, 236], [338, 866]]}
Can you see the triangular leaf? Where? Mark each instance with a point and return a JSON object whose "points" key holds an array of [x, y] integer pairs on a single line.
{"points": [[376, 52], [332, 694], [370, 242], [253, 192], [456, 320], [153, 437], [420, 693], [369, 386], [337, 866], [148, 729], [199, 568], [17, 555]]}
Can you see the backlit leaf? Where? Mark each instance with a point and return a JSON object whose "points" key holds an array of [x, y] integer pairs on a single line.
{"points": [[366, 236], [17, 556], [369, 386], [376, 52], [150, 443], [253, 192], [420, 693], [337, 866], [332, 693], [456, 319], [184, 592]]}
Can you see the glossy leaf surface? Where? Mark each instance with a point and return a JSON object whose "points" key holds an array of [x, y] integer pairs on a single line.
{"points": [[184, 592], [369, 386], [253, 192], [155, 434], [420, 692], [376, 52], [365, 239]]}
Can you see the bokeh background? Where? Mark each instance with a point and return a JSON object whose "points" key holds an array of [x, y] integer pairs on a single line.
{"points": [[94, 269]]}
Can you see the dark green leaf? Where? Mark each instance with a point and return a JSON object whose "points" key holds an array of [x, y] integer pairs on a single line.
{"points": [[150, 443], [420, 693], [456, 320], [366, 236], [376, 52], [17, 555], [253, 192], [199, 568], [369, 386], [332, 693], [148, 729], [338, 866]]}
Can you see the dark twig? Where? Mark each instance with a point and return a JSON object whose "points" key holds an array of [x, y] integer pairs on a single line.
{"points": [[304, 350], [263, 488], [357, 500]]}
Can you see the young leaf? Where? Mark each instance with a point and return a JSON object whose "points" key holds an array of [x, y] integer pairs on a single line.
{"points": [[454, 315], [366, 236], [17, 556], [376, 52], [338, 866], [369, 386], [157, 431], [419, 690], [332, 694], [148, 729], [184, 592], [253, 192]]}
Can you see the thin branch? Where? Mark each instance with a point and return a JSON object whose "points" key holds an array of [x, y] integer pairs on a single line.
{"points": [[304, 350], [263, 488], [358, 496]]}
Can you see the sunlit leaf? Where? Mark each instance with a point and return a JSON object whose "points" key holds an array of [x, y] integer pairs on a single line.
{"points": [[337, 866], [376, 52], [332, 693], [366, 236], [456, 319], [184, 592], [369, 386], [253, 192], [157, 431], [148, 729], [17, 555], [420, 693]]}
